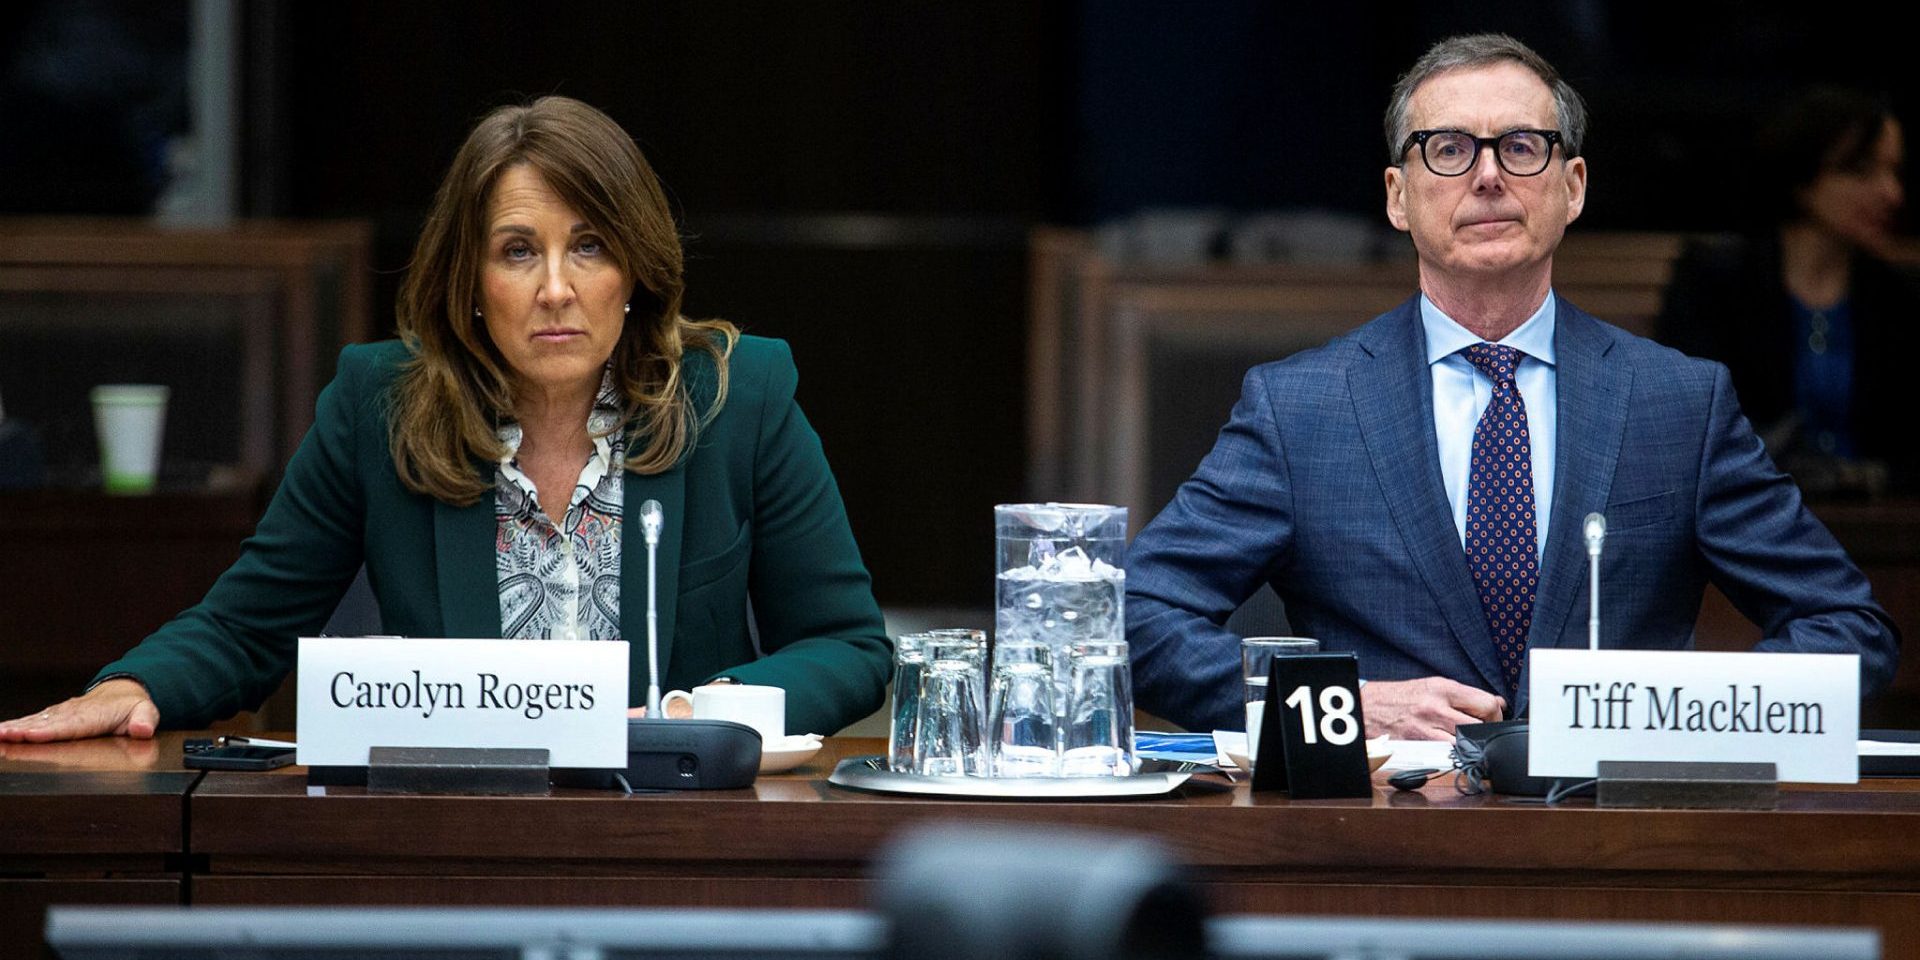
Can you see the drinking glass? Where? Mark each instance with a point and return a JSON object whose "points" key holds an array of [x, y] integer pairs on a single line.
{"points": [[909, 665], [1021, 721], [951, 739], [1256, 666], [1099, 733]]}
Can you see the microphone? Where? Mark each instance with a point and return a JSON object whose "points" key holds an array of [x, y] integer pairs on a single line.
{"points": [[652, 519], [1595, 530]]}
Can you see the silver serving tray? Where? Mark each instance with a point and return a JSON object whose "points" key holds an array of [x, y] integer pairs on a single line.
{"points": [[871, 773]]}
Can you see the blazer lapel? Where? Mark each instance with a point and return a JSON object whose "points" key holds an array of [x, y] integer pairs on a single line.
{"points": [[1593, 397], [466, 567], [1393, 400], [670, 489]]}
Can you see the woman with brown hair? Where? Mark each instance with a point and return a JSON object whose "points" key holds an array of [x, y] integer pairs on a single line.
{"points": [[484, 465], [1813, 322]]}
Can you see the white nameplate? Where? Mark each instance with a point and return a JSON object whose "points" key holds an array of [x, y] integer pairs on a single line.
{"points": [[569, 696], [1800, 711]]}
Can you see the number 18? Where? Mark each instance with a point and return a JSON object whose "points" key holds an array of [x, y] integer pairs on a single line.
{"points": [[1336, 714]]}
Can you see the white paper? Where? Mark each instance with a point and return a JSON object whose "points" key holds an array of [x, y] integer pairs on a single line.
{"points": [[1226, 745], [1419, 755], [1888, 748], [568, 696]]}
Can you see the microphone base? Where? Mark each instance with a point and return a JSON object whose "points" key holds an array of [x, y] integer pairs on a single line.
{"points": [[680, 755], [1504, 746]]}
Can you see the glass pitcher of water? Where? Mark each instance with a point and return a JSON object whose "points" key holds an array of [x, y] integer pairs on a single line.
{"points": [[1061, 582]]}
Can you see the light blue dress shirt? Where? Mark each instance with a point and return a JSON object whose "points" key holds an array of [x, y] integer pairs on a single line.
{"points": [[1461, 394]]}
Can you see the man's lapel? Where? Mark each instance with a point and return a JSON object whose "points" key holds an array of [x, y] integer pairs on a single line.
{"points": [[1593, 397], [670, 488], [1393, 400], [466, 567]]}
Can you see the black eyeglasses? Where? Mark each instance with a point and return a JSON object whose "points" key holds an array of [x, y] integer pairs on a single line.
{"points": [[1450, 153]]}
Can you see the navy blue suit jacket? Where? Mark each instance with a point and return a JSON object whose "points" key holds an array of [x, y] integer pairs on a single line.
{"points": [[1326, 484]]}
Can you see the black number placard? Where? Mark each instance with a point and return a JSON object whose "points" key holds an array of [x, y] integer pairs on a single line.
{"points": [[1313, 738]]}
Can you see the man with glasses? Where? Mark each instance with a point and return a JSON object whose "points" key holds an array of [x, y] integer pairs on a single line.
{"points": [[1415, 490]]}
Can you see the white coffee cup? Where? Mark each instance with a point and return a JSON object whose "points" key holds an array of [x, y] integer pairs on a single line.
{"points": [[130, 418], [762, 708]]}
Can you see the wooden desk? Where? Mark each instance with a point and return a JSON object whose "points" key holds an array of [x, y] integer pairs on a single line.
{"points": [[285, 295], [1849, 855], [96, 822], [1844, 855]]}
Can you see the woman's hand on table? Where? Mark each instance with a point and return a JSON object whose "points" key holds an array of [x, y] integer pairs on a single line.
{"points": [[117, 707], [99, 753]]}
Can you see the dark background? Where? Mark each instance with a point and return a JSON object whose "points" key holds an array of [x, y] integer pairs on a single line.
{"points": [[858, 178]]}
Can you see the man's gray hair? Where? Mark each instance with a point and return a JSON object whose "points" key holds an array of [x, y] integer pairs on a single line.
{"points": [[1479, 50]]}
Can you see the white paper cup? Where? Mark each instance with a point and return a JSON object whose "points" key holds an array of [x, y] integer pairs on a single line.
{"points": [[762, 708], [129, 418]]}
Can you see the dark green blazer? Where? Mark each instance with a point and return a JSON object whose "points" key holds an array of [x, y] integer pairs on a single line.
{"points": [[760, 579]]}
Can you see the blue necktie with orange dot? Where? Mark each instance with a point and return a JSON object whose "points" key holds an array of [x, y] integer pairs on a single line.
{"points": [[1501, 540]]}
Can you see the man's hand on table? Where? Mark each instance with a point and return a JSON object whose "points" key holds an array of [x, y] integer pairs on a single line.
{"points": [[117, 707], [1425, 709]]}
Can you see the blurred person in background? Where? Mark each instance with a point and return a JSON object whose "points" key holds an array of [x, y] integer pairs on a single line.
{"points": [[1816, 327], [488, 465]]}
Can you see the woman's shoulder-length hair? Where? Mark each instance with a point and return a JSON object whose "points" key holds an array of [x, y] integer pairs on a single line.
{"points": [[453, 392], [1821, 129]]}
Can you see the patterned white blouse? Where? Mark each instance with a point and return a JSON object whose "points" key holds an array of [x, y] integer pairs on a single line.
{"points": [[562, 582]]}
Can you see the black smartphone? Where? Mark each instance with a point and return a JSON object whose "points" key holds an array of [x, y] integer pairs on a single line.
{"points": [[238, 757]]}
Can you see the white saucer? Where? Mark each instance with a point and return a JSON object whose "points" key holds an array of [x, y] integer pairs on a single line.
{"points": [[779, 756]]}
